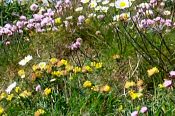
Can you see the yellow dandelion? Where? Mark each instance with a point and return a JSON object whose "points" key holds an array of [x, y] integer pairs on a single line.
{"points": [[57, 73], [77, 69], [129, 84], [95, 88], [116, 57], [3, 95], [68, 68], [53, 60], [21, 73], [160, 86], [39, 112], [47, 91], [17, 89], [87, 69], [58, 20], [35, 67], [1, 110], [152, 71], [98, 65], [135, 95], [139, 83], [9, 97], [25, 94], [64, 62], [106, 88], [87, 84]]}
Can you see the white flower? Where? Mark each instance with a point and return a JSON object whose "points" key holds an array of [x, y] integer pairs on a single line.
{"points": [[10, 87], [42, 65], [85, 1], [25, 60], [105, 2], [93, 4], [105, 9], [28, 58], [69, 18], [79, 9], [116, 18], [122, 4]]}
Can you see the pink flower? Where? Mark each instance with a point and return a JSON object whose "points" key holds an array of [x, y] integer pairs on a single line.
{"points": [[33, 7], [23, 18], [20, 24], [135, 113], [38, 88], [172, 73], [144, 109], [81, 19], [167, 83]]}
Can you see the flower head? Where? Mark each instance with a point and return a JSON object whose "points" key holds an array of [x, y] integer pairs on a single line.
{"points": [[33, 7], [122, 4], [144, 109], [47, 91], [135, 113], [167, 83], [152, 71], [87, 84], [85, 1], [10, 87]]}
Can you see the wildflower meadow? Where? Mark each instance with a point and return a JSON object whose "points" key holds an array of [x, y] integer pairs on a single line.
{"points": [[87, 57]]}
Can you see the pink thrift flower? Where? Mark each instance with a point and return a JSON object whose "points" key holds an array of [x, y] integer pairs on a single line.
{"points": [[38, 88], [81, 19], [144, 109], [167, 83], [172, 73], [33, 7], [135, 113], [23, 18]]}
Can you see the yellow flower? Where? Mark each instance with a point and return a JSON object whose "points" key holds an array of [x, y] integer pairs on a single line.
{"points": [[58, 20], [106, 88], [160, 86], [21, 73], [35, 67], [3, 95], [95, 88], [25, 94], [39, 112], [87, 84], [9, 97], [139, 83], [1, 110], [129, 84], [64, 62], [47, 91], [68, 68], [57, 73], [17, 89], [77, 69], [87, 21], [53, 60], [152, 71], [98, 65], [135, 95], [87, 69], [93, 64], [116, 56]]}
